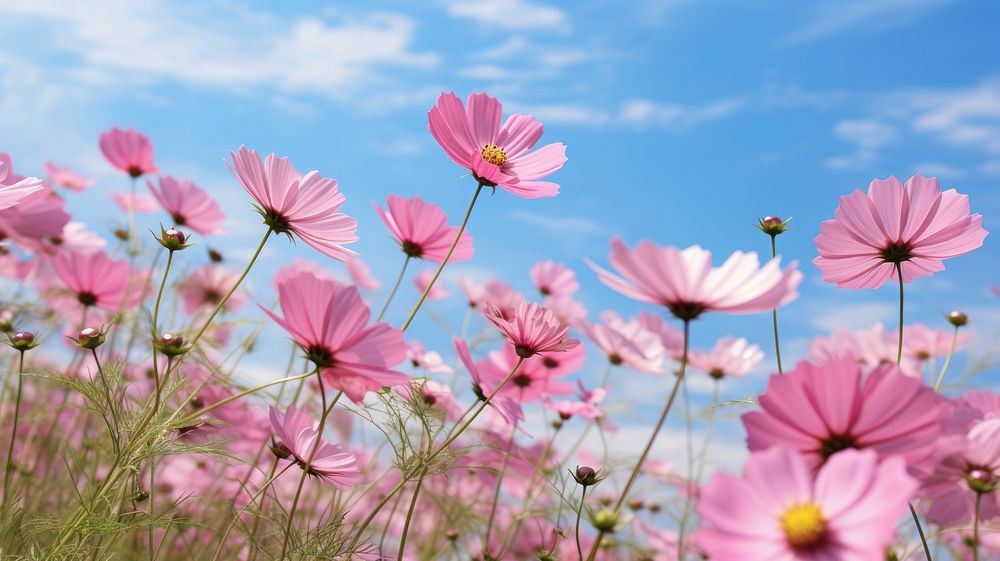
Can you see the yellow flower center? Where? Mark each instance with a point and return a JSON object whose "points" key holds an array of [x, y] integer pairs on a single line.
{"points": [[494, 154], [803, 524]]}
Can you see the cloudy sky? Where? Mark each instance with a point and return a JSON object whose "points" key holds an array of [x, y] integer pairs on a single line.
{"points": [[685, 121]]}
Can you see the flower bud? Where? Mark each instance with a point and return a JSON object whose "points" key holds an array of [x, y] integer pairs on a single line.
{"points": [[121, 234], [586, 476], [957, 318], [214, 256], [6, 321], [173, 240], [23, 341], [279, 450], [451, 535], [981, 480], [605, 520], [636, 504], [772, 225], [171, 345], [89, 338]]}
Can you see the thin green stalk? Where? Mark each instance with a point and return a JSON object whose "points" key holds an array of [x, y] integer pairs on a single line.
{"points": [[7, 472], [454, 244], [232, 398], [253, 499], [920, 532], [649, 445], [579, 511], [899, 351], [947, 360], [111, 405], [395, 287], [774, 315], [409, 514], [496, 493], [156, 326], [975, 528]]}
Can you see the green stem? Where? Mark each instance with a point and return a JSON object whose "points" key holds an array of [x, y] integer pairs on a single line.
{"points": [[208, 409], [496, 493], [920, 532], [409, 514], [395, 287], [774, 315], [652, 438], [111, 405], [975, 528], [947, 360], [13, 432], [899, 351], [156, 327], [454, 244], [579, 511]]}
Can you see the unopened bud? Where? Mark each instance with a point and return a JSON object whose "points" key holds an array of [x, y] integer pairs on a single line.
{"points": [[586, 476], [171, 345], [981, 480], [214, 256], [605, 520], [957, 318], [173, 240], [23, 341], [89, 338], [772, 225]]}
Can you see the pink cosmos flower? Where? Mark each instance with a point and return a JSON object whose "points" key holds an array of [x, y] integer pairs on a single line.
{"points": [[307, 206], [434, 394], [135, 203], [923, 343], [554, 279], [330, 322], [361, 274], [297, 434], [205, 286], [627, 343], [422, 229], [508, 409], [820, 410], [913, 225], [497, 156], [297, 266], [778, 512], [15, 189], [188, 205], [438, 291], [533, 381], [729, 357], [566, 308], [128, 150], [430, 361], [532, 329], [685, 282], [870, 347], [95, 280], [970, 466], [67, 178], [671, 337]]}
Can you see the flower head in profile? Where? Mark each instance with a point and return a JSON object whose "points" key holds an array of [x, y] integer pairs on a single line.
{"points": [[627, 343], [205, 286], [432, 394], [94, 279], [554, 279], [430, 361], [296, 436], [134, 203], [823, 409], [913, 226], [67, 178], [501, 156], [532, 329], [508, 409], [969, 466], [729, 357], [129, 151], [330, 322], [361, 274], [422, 229], [291, 203], [777, 511], [188, 205], [438, 291], [685, 282]]}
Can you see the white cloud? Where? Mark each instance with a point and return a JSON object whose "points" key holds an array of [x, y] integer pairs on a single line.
{"points": [[966, 117], [830, 317], [824, 20], [511, 14], [939, 170], [562, 226], [645, 113], [867, 136], [485, 72], [572, 114], [991, 168]]}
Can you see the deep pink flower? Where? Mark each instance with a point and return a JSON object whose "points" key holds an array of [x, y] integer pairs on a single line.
{"points": [[533, 381], [729, 357], [128, 150], [29, 211], [554, 279], [297, 434], [95, 280], [205, 286], [820, 410], [330, 322], [507, 408], [627, 343], [913, 225], [422, 229], [970, 465], [134, 203], [685, 282], [66, 178], [189, 206], [499, 156], [438, 291], [361, 274], [291, 203], [532, 329], [778, 512]]}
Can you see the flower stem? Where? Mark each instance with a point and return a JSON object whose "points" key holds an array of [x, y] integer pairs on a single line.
{"points": [[496, 493], [208, 409], [395, 287], [652, 438], [7, 472], [156, 326], [454, 244], [920, 532], [111, 405], [579, 511], [975, 528], [774, 314], [899, 350], [947, 360], [409, 514]]}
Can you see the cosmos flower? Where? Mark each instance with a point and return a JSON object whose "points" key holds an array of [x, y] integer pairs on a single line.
{"points": [[67, 178], [627, 343], [729, 357], [361, 274], [913, 226], [438, 291], [430, 361], [205, 286], [496, 155], [532, 329], [554, 279], [189, 206], [95, 280], [970, 465], [777, 511], [422, 229], [15, 189], [508, 409], [129, 151], [296, 435], [134, 203]]}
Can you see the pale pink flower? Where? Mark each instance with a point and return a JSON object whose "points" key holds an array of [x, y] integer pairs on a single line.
{"points": [[188, 205], [434, 394], [779, 512], [134, 202], [922, 343], [533, 381], [128, 150], [569, 409], [297, 266], [685, 282], [205, 286], [554, 279], [422, 229], [438, 291], [496, 155], [14, 189], [430, 361], [627, 343], [870, 347], [95, 280], [532, 329], [913, 225], [29, 211], [970, 465], [330, 322], [823, 409], [361, 274], [297, 435], [671, 337], [67, 178], [291, 203], [566, 308], [475, 293], [508, 409], [729, 357]]}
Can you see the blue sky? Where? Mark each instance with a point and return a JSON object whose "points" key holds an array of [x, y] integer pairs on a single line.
{"points": [[685, 121]]}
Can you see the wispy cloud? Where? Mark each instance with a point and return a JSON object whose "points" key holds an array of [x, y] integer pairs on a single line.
{"points": [[637, 113], [511, 14], [561, 226], [822, 21], [867, 136], [830, 317]]}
